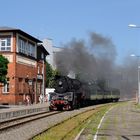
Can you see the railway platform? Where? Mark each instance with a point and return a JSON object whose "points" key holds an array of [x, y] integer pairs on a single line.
{"points": [[8, 112], [121, 122]]}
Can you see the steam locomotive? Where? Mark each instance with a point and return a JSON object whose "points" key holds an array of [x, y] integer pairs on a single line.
{"points": [[71, 94]]}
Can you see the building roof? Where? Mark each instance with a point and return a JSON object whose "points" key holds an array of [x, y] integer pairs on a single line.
{"points": [[10, 29], [44, 50]]}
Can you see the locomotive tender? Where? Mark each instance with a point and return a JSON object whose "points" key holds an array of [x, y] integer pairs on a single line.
{"points": [[71, 94]]}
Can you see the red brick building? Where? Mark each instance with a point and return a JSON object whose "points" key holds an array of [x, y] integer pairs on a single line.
{"points": [[26, 68]]}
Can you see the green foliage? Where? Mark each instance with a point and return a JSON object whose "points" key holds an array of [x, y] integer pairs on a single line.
{"points": [[51, 82], [3, 68], [50, 74]]}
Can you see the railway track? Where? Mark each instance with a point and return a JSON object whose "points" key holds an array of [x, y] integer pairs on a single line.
{"points": [[83, 123], [8, 124], [11, 123], [28, 127]]}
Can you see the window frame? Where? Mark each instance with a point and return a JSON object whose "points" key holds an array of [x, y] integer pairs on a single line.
{"points": [[26, 46], [6, 43], [6, 87]]}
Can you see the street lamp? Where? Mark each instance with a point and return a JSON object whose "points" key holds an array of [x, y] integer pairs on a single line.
{"points": [[43, 73], [43, 86], [133, 26], [138, 56]]}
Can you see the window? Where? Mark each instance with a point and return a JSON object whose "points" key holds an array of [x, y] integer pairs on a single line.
{"points": [[20, 85], [5, 43], [22, 45], [31, 50], [6, 86], [26, 47]]}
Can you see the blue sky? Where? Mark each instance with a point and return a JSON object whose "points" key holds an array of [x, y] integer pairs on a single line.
{"points": [[62, 20]]}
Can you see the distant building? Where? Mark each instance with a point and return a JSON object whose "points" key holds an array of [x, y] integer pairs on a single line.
{"points": [[26, 68], [48, 44]]}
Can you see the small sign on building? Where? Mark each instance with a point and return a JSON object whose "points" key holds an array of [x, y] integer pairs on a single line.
{"points": [[39, 76], [30, 82]]}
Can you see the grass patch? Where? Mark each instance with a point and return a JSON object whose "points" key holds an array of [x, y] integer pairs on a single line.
{"points": [[95, 120], [69, 129], [137, 106]]}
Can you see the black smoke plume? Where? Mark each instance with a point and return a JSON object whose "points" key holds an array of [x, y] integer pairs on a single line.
{"points": [[95, 59]]}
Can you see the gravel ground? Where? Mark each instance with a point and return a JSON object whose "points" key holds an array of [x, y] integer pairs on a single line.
{"points": [[121, 123], [26, 131]]}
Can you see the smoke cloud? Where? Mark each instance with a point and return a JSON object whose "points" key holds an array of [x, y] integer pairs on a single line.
{"points": [[95, 59]]}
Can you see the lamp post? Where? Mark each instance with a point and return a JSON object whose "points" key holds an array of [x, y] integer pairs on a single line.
{"points": [[43, 72], [138, 56], [43, 78], [138, 94]]}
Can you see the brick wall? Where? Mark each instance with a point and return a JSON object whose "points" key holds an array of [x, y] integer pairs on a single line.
{"points": [[20, 77]]}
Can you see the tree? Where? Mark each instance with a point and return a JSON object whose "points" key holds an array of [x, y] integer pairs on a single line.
{"points": [[3, 68], [51, 82], [50, 74]]}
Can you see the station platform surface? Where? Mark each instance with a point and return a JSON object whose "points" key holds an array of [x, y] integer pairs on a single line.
{"points": [[13, 111], [122, 122]]}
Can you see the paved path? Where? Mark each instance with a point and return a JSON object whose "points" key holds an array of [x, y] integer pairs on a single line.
{"points": [[7, 108], [122, 122], [11, 112]]}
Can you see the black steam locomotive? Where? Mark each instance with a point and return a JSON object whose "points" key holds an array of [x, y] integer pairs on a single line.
{"points": [[71, 94]]}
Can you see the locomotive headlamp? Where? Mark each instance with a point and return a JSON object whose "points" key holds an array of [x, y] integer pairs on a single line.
{"points": [[60, 83], [66, 97], [54, 97]]}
